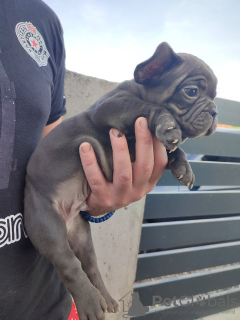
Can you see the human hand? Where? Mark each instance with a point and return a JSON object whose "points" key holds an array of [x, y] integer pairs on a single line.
{"points": [[130, 181]]}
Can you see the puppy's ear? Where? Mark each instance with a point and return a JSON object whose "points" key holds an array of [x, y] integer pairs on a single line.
{"points": [[150, 71]]}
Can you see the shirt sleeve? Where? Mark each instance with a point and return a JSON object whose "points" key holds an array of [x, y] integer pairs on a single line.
{"points": [[58, 108]]}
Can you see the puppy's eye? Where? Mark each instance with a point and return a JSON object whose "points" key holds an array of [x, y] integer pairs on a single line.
{"points": [[191, 92]]}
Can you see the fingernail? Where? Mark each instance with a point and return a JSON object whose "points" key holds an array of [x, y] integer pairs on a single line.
{"points": [[85, 147], [143, 123], [116, 133]]}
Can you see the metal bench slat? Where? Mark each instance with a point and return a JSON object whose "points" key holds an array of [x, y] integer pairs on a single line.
{"points": [[161, 205], [218, 302], [219, 144], [152, 265], [178, 234], [208, 173], [188, 285]]}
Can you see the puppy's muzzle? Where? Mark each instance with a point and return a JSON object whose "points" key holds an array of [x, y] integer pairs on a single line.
{"points": [[213, 112]]}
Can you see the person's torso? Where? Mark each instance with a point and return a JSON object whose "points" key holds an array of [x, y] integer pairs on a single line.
{"points": [[28, 40]]}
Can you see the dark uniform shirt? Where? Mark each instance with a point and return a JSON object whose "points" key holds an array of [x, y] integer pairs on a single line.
{"points": [[32, 74]]}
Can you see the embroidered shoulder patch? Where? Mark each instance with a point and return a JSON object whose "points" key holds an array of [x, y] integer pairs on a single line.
{"points": [[33, 42]]}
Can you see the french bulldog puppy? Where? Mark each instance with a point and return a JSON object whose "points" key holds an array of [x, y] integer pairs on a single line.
{"points": [[175, 92]]}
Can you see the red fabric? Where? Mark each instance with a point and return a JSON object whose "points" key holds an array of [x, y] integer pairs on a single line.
{"points": [[73, 314]]}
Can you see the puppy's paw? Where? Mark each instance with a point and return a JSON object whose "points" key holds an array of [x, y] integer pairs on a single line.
{"points": [[91, 304], [169, 133], [112, 305], [182, 171]]}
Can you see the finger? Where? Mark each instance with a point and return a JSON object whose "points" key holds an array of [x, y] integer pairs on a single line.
{"points": [[160, 161], [122, 167], [144, 163], [94, 175]]}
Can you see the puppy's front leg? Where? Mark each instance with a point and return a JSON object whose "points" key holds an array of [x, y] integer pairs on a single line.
{"points": [[80, 240], [47, 230], [180, 167], [166, 128]]}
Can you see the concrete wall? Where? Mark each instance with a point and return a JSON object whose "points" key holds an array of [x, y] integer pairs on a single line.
{"points": [[116, 240], [82, 91]]}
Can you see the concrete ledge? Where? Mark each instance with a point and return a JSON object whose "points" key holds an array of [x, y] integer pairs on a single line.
{"points": [[82, 91]]}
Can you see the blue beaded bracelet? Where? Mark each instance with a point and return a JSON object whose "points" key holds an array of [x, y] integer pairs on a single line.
{"points": [[86, 216]]}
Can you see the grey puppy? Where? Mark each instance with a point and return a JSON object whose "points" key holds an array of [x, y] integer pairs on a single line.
{"points": [[175, 92]]}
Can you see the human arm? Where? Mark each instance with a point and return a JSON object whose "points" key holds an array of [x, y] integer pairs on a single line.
{"points": [[51, 126]]}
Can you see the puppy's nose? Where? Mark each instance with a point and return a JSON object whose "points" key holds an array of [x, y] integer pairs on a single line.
{"points": [[213, 112]]}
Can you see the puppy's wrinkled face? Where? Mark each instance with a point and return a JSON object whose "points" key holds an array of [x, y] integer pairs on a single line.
{"points": [[192, 103], [185, 85]]}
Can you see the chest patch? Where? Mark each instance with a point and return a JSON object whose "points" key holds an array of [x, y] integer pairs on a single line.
{"points": [[33, 42]]}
